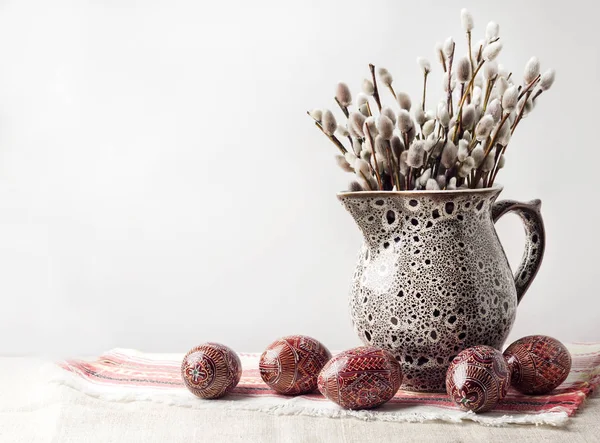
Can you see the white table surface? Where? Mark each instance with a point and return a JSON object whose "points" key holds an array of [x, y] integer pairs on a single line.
{"points": [[33, 410]]}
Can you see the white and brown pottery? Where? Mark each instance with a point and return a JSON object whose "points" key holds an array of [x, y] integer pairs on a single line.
{"points": [[432, 278]]}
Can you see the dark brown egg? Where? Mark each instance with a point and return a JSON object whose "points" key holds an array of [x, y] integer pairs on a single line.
{"points": [[478, 378], [211, 370], [538, 364], [361, 378], [292, 364]]}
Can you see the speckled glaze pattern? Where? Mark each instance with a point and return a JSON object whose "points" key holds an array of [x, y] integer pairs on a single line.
{"points": [[432, 278], [361, 378], [478, 378], [291, 365], [211, 370], [538, 364]]}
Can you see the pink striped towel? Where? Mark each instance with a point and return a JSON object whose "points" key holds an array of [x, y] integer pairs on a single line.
{"points": [[126, 375]]}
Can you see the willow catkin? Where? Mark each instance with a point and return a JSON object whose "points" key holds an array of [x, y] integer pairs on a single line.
{"points": [[404, 100], [463, 70], [343, 94], [328, 122], [356, 146], [428, 127], [416, 154], [343, 164], [466, 167], [420, 116], [491, 51], [405, 123], [547, 79], [424, 177], [362, 167], [385, 127], [316, 114], [397, 146], [466, 20], [366, 155], [342, 131], [442, 114], [357, 120], [468, 116], [385, 77], [432, 185], [448, 47], [355, 187], [490, 70], [380, 146], [477, 154], [484, 128], [371, 125], [441, 181], [424, 65], [449, 154], [532, 70], [403, 163], [492, 31], [495, 110], [389, 113], [368, 87], [463, 150], [451, 186], [510, 99], [350, 158]]}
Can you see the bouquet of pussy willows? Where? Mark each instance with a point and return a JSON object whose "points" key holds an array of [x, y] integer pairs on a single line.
{"points": [[460, 144]]}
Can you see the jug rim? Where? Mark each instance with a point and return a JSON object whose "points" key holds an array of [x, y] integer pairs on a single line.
{"points": [[496, 187]]}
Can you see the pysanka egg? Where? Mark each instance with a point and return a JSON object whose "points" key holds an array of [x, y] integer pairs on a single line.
{"points": [[361, 378], [292, 364], [478, 378], [538, 364], [211, 370]]}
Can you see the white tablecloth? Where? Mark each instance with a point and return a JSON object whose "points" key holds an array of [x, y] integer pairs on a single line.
{"points": [[33, 410]]}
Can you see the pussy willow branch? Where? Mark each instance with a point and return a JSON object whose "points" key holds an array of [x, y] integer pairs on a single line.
{"points": [[469, 45], [342, 107], [450, 61], [462, 100], [425, 73], [375, 91], [332, 137], [521, 112], [379, 182]]}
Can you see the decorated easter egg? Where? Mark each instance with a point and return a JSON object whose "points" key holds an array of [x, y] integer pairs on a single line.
{"points": [[478, 378], [211, 370], [538, 364], [292, 364], [361, 378]]}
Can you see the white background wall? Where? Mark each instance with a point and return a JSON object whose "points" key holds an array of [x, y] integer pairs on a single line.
{"points": [[160, 184]]}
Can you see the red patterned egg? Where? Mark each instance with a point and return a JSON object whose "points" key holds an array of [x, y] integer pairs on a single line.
{"points": [[361, 378], [292, 364], [538, 364], [211, 370], [478, 378]]}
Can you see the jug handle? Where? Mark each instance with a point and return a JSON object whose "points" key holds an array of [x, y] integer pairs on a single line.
{"points": [[535, 239]]}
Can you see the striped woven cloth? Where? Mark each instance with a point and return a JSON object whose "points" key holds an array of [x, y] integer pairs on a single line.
{"points": [[125, 375]]}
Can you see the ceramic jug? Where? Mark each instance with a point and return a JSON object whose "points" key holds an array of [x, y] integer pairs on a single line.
{"points": [[432, 277]]}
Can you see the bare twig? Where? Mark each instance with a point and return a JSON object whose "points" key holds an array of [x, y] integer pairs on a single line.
{"points": [[375, 91]]}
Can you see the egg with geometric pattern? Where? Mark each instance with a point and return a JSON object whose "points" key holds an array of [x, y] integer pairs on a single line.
{"points": [[478, 378], [538, 364], [291, 365], [211, 370], [361, 378]]}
